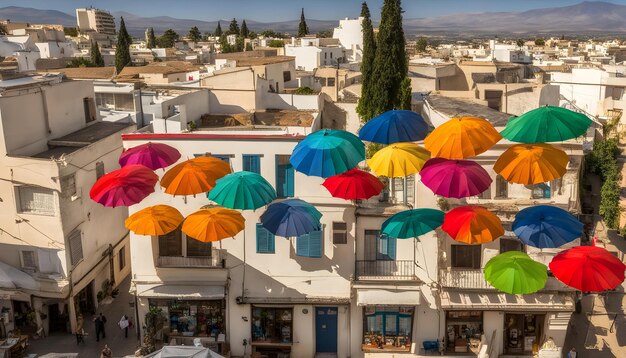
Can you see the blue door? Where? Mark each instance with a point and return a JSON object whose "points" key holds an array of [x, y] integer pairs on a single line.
{"points": [[326, 329], [284, 177]]}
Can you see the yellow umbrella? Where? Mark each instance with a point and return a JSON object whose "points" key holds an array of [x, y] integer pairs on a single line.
{"points": [[213, 224], [194, 176], [399, 160], [154, 220], [461, 137], [531, 163]]}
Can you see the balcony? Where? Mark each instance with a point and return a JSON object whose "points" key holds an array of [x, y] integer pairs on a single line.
{"points": [[387, 270], [474, 279], [216, 260]]}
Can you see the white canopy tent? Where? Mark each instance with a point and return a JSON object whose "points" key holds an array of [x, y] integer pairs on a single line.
{"points": [[12, 278], [184, 352]]}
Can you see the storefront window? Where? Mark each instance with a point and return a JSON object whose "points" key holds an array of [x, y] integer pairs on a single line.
{"points": [[273, 325], [522, 333], [463, 331], [388, 328], [193, 318]]}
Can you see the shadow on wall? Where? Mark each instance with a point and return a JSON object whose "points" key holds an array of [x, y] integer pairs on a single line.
{"points": [[549, 96], [333, 117], [215, 106]]}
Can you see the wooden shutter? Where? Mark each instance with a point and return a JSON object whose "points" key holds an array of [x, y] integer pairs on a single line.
{"points": [[29, 260], [196, 248], [309, 245], [264, 240], [170, 244], [76, 246], [340, 233]]}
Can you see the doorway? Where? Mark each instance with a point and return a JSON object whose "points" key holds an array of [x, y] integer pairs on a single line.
{"points": [[326, 329], [84, 300], [58, 318], [522, 333]]}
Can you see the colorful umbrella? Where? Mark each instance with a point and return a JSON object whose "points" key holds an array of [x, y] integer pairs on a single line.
{"points": [[242, 190], [546, 124], [327, 152], [472, 224], [412, 223], [152, 155], [455, 178], [291, 217], [546, 226], [516, 273], [531, 164], [461, 138], [213, 224], [354, 184], [588, 269], [399, 160], [124, 187], [154, 220], [194, 176], [393, 127]]}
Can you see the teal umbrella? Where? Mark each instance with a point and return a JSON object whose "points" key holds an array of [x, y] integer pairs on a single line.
{"points": [[242, 190], [412, 223], [546, 124]]}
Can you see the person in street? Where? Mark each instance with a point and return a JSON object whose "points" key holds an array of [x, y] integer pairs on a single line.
{"points": [[106, 352], [104, 321], [98, 324], [124, 323], [572, 353], [79, 329]]}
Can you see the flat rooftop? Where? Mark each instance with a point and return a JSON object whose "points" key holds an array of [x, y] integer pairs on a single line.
{"points": [[456, 107], [261, 118]]}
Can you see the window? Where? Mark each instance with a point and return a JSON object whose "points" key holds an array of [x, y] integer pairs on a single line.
{"points": [[463, 327], [171, 243], [197, 248], [502, 188], [121, 258], [541, 191], [398, 189], [485, 194], [272, 325], [76, 246], [68, 186], [331, 55], [310, 245], [264, 240], [90, 109], [197, 318], [29, 260], [224, 157], [99, 170], [330, 82], [284, 177], [325, 55], [321, 81], [511, 244], [387, 327], [36, 200], [286, 76], [466, 256], [379, 247], [340, 233], [252, 163]]}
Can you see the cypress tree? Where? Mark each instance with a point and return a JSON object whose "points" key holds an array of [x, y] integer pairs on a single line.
{"points": [[122, 51], [367, 64], [390, 63], [406, 94], [151, 39], [218, 30], [95, 55], [194, 34], [303, 29], [233, 28], [244, 29], [123, 32]]}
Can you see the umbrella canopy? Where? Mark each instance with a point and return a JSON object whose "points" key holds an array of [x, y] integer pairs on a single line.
{"points": [[12, 278], [354, 184], [194, 176], [154, 220], [462, 137], [546, 226], [213, 224], [242, 190], [124, 187], [152, 155], [516, 273], [291, 217], [393, 127], [531, 164], [327, 152], [183, 352], [412, 223], [588, 269], [455, 178], [546, 124], [399, 160], [472, 224]]}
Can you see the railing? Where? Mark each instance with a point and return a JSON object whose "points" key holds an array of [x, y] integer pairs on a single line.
{"points": [[463, 278], [385, 270], [216, 260]]}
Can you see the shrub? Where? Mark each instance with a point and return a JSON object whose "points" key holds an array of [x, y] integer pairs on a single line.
{"points": [[304, 90]]}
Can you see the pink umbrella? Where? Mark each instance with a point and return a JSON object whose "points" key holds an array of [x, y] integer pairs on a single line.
{"points": [[455, 178], [152, 155], [124, 187]]}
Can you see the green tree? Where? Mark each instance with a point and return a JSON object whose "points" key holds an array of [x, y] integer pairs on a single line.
{"points": [[276, 43], [406, 94], [325, 34], [225, 47], [303, 29], [304, 90], [150, 39], [244, 29], [79, 62], [271, 33], [218, 30], [421, 45], [233, 29], [252, 35], [239, 44], [194, 34], [249, 47], [122, 50], [540, 42], [519, 42], [95, 55], [168, 39], [367, 64], [68, 31]]}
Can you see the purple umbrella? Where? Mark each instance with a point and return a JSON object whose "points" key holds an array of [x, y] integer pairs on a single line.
{"points": [[152, 155], [455, 178]]}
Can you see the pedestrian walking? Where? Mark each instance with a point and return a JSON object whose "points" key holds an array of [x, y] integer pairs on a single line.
{"points": [[124, 323], [98, 324], [79, 330], [104, 321], [106, 352], [572, 353]]}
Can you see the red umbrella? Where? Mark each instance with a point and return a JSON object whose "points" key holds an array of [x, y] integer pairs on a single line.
{"points": [[125, 186], [353, 185], [152, 155], [588, 269]]}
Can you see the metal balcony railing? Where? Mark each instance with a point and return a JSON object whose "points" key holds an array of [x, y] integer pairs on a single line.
{"points": [[385, 270], [216, 260], [464, 278]]}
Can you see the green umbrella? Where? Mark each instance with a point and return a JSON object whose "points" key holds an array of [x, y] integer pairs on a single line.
{"points": [[515, 273], [242, 190], [546, 124], [412, 223]]}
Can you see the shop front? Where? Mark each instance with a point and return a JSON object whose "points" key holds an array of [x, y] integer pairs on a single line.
{"points": [[463, 331], [522, 333], [272, 331]]}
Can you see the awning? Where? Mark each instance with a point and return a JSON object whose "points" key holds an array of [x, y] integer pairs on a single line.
{"points": [[12, 278], [399, 297], [181, 292], [453, 300]]}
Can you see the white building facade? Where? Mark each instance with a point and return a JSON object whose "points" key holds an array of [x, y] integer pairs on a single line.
{"points": [[350, 35]]}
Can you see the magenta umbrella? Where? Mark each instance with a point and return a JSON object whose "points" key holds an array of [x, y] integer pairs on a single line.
{"points": [[455, 178], [152, 155]]}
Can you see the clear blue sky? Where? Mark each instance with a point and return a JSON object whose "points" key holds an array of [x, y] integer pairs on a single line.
{"points": [[280, 10]]}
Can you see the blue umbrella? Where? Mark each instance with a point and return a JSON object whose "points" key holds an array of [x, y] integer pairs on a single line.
{"points": [[546, 226], [291, 217], [327, 152], [395, 126]]}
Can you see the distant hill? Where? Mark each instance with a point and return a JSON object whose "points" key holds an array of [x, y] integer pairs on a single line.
{"points": [[36, 16]]}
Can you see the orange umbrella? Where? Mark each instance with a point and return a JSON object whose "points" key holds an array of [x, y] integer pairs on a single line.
{"points": [[472, 224], [154, 220], [213, 224], [461, 138], [194, 176], [531, 163]]}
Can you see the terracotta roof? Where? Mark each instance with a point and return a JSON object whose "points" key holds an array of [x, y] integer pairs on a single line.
{"points": [[165, 68], [92, 73]]}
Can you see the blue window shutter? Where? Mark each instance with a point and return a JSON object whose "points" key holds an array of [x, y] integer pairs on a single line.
{"points": [[224, 157], [289, 180], [252, 163], [315, 244], [302, 245], [391, 247], [264, 240], [386, 248]]}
